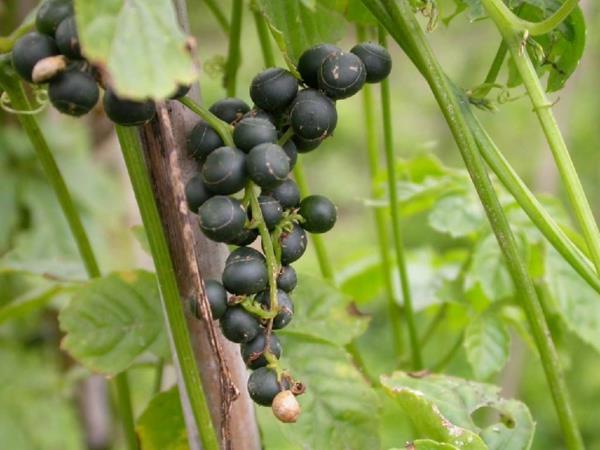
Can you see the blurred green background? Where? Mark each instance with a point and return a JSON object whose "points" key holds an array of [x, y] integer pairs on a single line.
{"points": [[35, 235]]}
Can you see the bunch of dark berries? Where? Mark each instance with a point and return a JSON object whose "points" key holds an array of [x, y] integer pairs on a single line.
{"points": [[52, 55], [289, 116]]}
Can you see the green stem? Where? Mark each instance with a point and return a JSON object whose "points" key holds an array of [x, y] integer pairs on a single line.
{"points": [[7, 42], [223, 129], [165, 272], [542, 107], [19, 101], [325, 264], [219, 14], [392, 180], [403, 17], [233, 56], [264, 36], [125, 409], [494, 71]]}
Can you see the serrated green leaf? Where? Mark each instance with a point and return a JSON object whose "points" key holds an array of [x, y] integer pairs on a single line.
{"points": [[457, 216], [457, 399], [113, 320], [161, 425], [487, 343], [139, 43], [489, 270], [321, 313], [338, 407], [578, 304]]}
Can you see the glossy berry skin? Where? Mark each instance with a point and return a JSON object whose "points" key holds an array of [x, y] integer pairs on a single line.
{"points": [[245, 272], [67, 38], [221, 218], [261, 114], [196, 193], [267, 165], [291, 151], [306, 145], [202, 140], [224, 171], [319, 214], [293, 245], [31, 49], [271, 210], [377, 60], [263, 386], [311, 60], [217, 298], [342, 75], [287, 194], [273, 89], [246, 237], [128, 112], [312, 115], [252, 131], [73, 92], [51, 13], [182, 91], [238, 325], [252, 352], [287, 279], [229, 109], [284, 305]]}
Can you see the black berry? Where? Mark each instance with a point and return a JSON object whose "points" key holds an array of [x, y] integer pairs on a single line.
{"points": [[246, 237], [306, 145], [127, 112], [252, 131], [224, 171], [319, 214], [217, 298], [271, 209], [377, 60], [253, 351], [287, 279], [261, 114], [267, 165], [293, 244], [202, 140], [263, 386], [31, 49], [342, 75], [245, 272], [67, 38], [287, 194], [230, 109], [312, 115], [310, 62], [238, 325], [73, 92], [291, 151], [273, 89], [285, 307], [51, 13], [221, 218], [196, 193]]}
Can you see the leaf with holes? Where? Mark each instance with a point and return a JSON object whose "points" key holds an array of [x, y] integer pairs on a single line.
{"points": [[113, 320], [487, 343], [454, 400], [138, 42]]}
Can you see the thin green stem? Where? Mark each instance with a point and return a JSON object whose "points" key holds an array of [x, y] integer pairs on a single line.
{"points": [[223, 129], [392, 180], [219, 14], [125, 409], [19, 101], [7, 42], [325, 264], [264, 36], [233, 56], [403, 17], [170, 298], [543, 108], [494, 71]]}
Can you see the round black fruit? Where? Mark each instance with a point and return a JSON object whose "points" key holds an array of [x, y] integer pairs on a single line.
{"points": [[196, 193], [245, 272], [293, 244], [306, 145], [217, 298], [342, 75], [273, 89], [271, 210], [221, 218], [202, 140], [319, 213], [377, 60], [238, 325], [51, 13], [246, 237], [287, 279], [267, 165], [224, 171], [263, 386], [67, 38], [312, 115], [287, 194], [73, 92], [291, 151], [229, 109], [261, 114], [31, 49], [252, 131], [127, 112], [253, 351], [311, 60], [284, 305]]}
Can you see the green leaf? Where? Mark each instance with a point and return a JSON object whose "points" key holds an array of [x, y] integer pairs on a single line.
{"points": [[139, 42], [297, 26], [428, 444], [140, 235], [362, 279], [161, 425], [26, 304], [489, 270], [113, 320], [321, 313], [338, 407], [455, 400], [578, 304], [357, 12], [487, 343], [457, 216]]}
